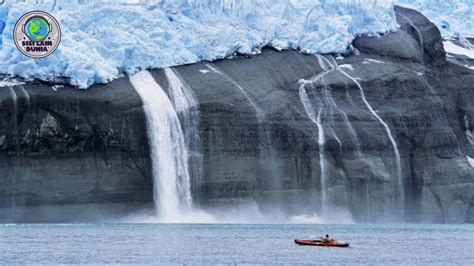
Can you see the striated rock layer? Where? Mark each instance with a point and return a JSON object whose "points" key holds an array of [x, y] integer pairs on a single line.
{"points": [[70, 155]]}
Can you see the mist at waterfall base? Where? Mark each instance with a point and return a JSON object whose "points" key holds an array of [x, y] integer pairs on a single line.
{"points": [[244, 212]]}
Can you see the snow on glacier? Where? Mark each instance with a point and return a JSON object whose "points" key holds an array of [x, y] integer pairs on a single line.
{"points": [[102, 39], [453, 17], [452, 48]]}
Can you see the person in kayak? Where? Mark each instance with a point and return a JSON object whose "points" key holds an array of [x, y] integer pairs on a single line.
{"points": [[326, 239]]}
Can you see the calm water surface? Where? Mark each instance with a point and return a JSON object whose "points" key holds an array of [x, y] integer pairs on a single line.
{"points": [[249, 244]]}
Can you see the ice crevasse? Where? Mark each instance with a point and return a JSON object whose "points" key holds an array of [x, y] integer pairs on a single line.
{"points": [[103, 39]]}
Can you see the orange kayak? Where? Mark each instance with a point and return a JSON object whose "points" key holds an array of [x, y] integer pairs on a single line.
{"points": [[320, 243]]}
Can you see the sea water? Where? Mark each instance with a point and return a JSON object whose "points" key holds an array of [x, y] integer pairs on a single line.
{"points": [[230, 244]]}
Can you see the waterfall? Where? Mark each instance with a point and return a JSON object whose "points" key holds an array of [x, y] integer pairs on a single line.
{"points": [[266, 150], [310, 110], [169, 156], [15, 130], [27, 96], [258, 112], [15, 102], [326, 101], [367, 195], [316, 119], [327, 106], [181, 96], [186, 106], [349, 126], [328, 67], [322, 163], [399, 182]]}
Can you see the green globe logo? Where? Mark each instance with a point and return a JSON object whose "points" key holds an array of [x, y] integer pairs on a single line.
{"points": [[37, 28], [37, 34]]}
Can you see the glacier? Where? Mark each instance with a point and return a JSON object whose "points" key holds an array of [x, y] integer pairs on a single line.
{"points": [[104, 39], [453, 17]]}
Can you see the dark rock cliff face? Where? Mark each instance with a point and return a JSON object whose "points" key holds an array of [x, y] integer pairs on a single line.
{"points": [[79, 149], [62, 150]]}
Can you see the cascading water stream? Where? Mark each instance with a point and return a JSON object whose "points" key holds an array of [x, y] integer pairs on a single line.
{"points": [[348, 124], [399, 184], [171, 179], [322, 163], [259, 113], [181, 96], [168, 150], [186, 106], [326, 106], [367, 195], [15, 128], [310, 110], [27, 96], [328, 102], [328, 67], [267, 151], [15, 102]]}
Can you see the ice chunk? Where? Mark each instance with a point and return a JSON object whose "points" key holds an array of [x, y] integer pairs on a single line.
{"points": [[452, 48], [370, 60], [6, 82], [348, 66], [470, 161]]}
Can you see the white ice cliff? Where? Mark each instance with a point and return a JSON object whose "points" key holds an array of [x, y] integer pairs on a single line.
{"points": [[102, 40]]}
